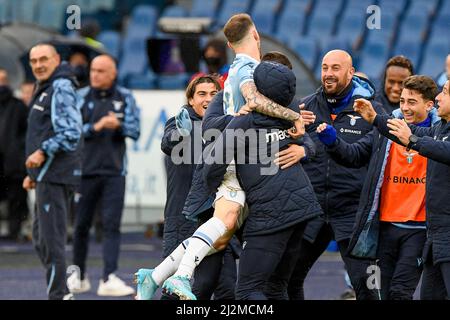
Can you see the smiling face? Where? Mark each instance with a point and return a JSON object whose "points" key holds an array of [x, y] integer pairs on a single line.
{"points": [[43, 61], [203, 94], [414, 107], [393, 84], [103, 72], [443, 102], [337, 71]]}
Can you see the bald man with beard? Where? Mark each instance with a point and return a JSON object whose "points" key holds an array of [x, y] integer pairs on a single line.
{"points": [[110, 115], [337, 187]]}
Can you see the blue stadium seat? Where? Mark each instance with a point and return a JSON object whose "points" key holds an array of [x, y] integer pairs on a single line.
{"points": [[330, 6], [427, 6], [134, 61], [445, 7], [23, 11], [231, 7], [396, 6], [174, 11], [306, 48], [291, 21], [144, 81], [373, 59], [360, 5], [434, 57], [440, 26], [142, 22], [172, 82], [51, 14], [410, 48], [352, 25], [414, 25], [202, 8], [264, 14], [322, 19], [321, 25], [5, 13], [387, 32], [111, 40]]}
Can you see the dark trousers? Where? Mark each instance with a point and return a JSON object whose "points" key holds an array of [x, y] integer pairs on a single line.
{"points": [[107, 192], [435, 280], [399, 253], [217, 274], [265, 255], [16, 198], [310, 253], [49, 234]]}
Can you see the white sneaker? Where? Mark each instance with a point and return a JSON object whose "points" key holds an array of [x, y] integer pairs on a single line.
{"points": [[114, 287], [69, 296], [76, 285]]}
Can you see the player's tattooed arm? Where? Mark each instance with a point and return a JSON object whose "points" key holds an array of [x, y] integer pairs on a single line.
{"points": [[256, 101]]}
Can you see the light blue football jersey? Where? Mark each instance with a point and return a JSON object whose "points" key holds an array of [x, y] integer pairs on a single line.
{"points": [[241, 71]]}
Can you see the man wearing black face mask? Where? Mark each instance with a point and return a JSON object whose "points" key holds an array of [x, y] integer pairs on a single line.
{"points": [[337, 188], [13, 127], [80, 65], [215, 56]]}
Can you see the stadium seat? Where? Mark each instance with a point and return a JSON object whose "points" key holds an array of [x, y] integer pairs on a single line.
{"points": [[360, 5], [409, 47], [426, 6], [134, 59], [414, 25], [330, 6], [264, 14], [51, 14], [445, 7], [231, 7], [373, 59], [172, 82], [142, 22], [321, 26], [202, 8], [387, 31], [352, 25], [174, 11], [23, 10], [434, 57], [290, 24], [144, 81], [307, 49], [396, 6], [111, 40], [440, 26], [5, 15]]}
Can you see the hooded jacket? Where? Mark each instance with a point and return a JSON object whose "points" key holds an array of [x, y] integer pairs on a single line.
{"points": [[104, 152], [337, 188], [276, 198], [433, 143], [372, 149], [54, 126], [179, 180]]}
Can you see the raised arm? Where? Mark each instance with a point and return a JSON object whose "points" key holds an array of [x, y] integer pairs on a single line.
{"points": [[256, 101]]}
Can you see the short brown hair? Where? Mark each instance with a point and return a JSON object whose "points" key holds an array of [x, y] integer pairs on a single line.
{"points": [[237, 27], [192, 86], [422, 84], [400, 61], [277, 57]]}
